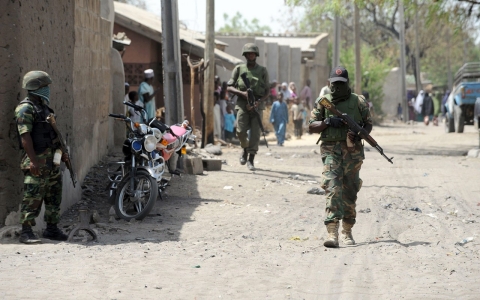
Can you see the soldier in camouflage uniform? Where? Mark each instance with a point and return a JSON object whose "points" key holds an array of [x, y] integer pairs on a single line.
{"points": [[43, 179], [246, 118], [341, 165]]}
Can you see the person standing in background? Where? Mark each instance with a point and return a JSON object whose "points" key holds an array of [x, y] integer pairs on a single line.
{"points": [[306, 95], [286, 93], [427, 108], [293, 91], [279, 118], [229, 125], [127, 89], [399, 112], [436, 107], [146, 94], [297, 117]]}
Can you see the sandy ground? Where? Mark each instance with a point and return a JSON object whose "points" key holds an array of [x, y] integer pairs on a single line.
{"points": [[263, 238]]}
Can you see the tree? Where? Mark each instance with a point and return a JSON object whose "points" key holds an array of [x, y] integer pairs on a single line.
{"points": [[138, 3], [238, 24], [379, 23]]}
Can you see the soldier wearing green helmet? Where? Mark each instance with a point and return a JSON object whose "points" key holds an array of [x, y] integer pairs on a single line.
{"points": [[43, 179], [258, 77]]}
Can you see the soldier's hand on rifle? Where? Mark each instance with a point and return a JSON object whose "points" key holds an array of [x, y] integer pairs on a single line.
{"points": [[65, 157], [353, 137], [334, 122], [244, 94], [35, 168]]}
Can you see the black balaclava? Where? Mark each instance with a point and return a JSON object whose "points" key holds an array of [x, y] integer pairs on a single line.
{"points": [[340, 91]]}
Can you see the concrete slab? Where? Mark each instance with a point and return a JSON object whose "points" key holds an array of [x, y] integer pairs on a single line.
{"points": [[473, 153], [211, 164], [193, 165]]}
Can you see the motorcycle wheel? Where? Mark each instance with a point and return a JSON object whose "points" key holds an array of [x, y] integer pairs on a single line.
{"points": [[139, 205]]}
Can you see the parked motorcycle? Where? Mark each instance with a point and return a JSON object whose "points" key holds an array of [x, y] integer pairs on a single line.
{"points": [[134, 185], [143, 167]]}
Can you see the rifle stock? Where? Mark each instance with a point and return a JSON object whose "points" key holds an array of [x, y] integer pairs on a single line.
{"points": [[251, 103], [63, 147], [354, 126]]}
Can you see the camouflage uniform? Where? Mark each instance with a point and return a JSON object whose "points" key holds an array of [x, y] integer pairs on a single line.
{"points": [[46, 187], [258, 77], [341, 168]]}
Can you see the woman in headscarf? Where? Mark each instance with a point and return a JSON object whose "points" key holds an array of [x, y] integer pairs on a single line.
{"points": [[146, 94]]}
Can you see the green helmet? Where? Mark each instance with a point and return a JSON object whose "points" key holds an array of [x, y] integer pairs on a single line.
{"points": [[250, 47], [34, 80]]}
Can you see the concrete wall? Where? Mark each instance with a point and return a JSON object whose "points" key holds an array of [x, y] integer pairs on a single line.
{"points": [[117, 92], [32, 40], [319, 68], [283, 63], [272, 55], [70, 41], [295, 68], [391, 91], [261, 59], [235, 44]]}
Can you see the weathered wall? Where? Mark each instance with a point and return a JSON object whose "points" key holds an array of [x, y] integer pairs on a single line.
{"points": [[70, 41], [92, 88], [272, 61], [32, 39], [391, 91]]}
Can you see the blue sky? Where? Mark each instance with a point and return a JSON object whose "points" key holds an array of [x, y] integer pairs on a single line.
{"points": [[193, 12]]}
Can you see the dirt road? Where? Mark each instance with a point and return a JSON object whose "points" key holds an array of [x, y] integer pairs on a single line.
{"points": [[235, 234]]}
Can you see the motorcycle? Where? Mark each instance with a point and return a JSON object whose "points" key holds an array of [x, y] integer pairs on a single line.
{"points": [[137, 181]]}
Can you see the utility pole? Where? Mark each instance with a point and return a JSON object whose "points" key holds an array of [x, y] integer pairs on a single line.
{"points": [[172, 64], [417, 52], [358, 62], [207, 136], [193, 67], [336, 42], [449, 67], [403, 85]]}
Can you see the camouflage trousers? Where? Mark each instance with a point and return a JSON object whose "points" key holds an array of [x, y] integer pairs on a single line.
{"points": [[44, 188], [341, 181], [248, 121]]}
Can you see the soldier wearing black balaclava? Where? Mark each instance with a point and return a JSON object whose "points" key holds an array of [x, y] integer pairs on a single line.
{"points": [[341, 164]]}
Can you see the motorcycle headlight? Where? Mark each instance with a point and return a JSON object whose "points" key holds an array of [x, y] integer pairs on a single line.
{"points": [[136, 146], [150, 142], [157, 133]]}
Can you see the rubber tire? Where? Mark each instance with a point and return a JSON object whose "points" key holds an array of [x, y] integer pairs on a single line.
{"points": [[121, 190], [458, 119], [449, 125]]}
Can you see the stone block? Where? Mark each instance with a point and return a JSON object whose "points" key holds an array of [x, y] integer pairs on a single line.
{"points": [[473, 153], [211, 164], [193, 165]]}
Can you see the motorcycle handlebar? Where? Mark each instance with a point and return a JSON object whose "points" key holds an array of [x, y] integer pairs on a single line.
{"points": [[117, 116], [137, 108]]}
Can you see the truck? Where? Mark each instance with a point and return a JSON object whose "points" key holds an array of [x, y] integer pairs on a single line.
{"points": [[460, 105]]}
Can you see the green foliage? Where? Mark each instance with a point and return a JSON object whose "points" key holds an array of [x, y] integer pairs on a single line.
{"points": [[238, 24], [374, 72]]}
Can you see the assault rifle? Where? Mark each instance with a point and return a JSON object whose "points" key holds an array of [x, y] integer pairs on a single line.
{"points": [[251, 102], [353, 126], [63, 146]]}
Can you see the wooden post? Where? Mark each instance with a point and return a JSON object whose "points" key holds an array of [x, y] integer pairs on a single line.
{"points": [[193, 67], [358, 58], [207, 137]]}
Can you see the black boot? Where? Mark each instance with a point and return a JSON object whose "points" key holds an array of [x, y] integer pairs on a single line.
{"points": [[243, 157], [250, 165], [27, 236], [54, 233]]}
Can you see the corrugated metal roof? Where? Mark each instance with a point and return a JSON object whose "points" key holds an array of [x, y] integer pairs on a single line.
{"points": [[150, 25]]}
